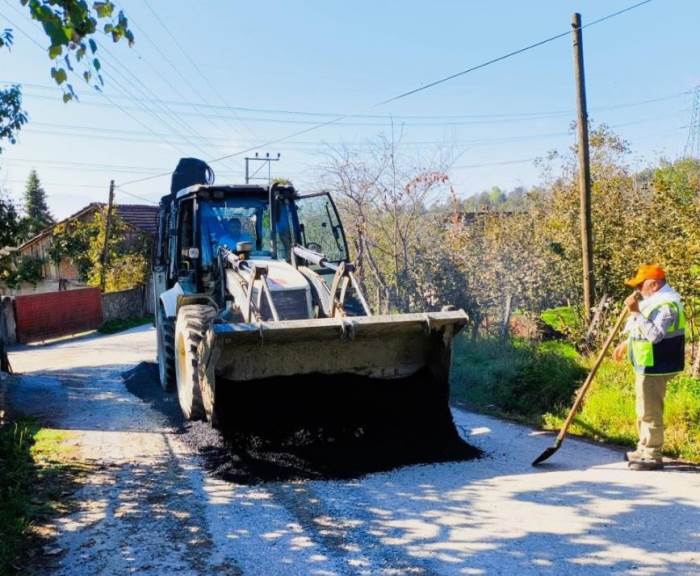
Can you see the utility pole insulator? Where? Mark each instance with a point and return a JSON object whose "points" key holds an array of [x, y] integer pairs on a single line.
{"points": [[584, 163]]}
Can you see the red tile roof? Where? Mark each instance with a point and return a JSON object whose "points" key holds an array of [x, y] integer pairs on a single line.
{"points": [[139, 216]]}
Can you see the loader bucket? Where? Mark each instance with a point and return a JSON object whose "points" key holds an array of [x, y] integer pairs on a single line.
{"points": [[371, 371]]}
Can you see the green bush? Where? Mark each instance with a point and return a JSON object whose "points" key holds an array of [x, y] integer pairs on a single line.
{"points": [[17, 472], [119, 325], [536, 383], [609, 412], [519, 378]]}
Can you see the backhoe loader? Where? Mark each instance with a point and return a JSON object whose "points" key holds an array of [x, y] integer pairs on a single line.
{"points": [[258, 307]]}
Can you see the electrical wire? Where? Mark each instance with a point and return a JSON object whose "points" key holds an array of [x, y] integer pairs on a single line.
{"points": [[506, 56], [405, 94], [190, 59], [498, 116], [445, 124], [103, 94]]}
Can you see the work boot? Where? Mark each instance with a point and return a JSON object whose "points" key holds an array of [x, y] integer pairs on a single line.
{"points": [[632, 456], [644, 464]]}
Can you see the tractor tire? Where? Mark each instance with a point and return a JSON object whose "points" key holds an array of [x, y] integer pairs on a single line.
{"points": [[166, 351], [193, 321]]}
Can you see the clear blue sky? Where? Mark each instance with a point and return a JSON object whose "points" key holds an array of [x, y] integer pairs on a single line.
{"points": [[343, 57]]}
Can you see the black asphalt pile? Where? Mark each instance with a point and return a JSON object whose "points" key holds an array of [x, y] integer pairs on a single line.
{"points": [[316, 427]]}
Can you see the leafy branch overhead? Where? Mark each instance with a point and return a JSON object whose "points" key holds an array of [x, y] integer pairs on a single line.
{"points": [[12, 117], [70, 25]]}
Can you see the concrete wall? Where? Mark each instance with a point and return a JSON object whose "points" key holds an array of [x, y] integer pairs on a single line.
{"points": [[124, 304], [149, 297], [7, 321]]}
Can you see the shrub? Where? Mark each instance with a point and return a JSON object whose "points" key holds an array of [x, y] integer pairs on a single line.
{"points": [[519, 378]]}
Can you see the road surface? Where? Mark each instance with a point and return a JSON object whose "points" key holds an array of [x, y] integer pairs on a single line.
{"points": [[151, 508]]}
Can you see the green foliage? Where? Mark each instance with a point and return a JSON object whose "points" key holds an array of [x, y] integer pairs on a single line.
{"points": [[119, 325], [10, 226], [496, 199], [536, 383], [561, 318], [38, 216], [37, 470], [520, 379], [12, 117], [23, 270], [70, 26], [71, 241], [82, 243], [128, 254], [609, 411], [16, 473]]}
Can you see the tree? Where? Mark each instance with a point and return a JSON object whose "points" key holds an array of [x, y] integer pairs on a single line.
{"points": [[82, 242], [70, 26], [12, 117], [382, 195], [38, 216], [10, 225]]}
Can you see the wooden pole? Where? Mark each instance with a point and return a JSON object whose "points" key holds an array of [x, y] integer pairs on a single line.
{"points": [[105, 247], [584, 163]]}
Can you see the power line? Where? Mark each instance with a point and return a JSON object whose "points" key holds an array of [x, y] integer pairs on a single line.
{"points": [[488, 119], [405, 94], [190, 59], [124, 90], [137, 196], [114, 67], [103, 94], [508, 116], [65, 184], [135, 136], [487, 164], [177, 70], [505, 56]]}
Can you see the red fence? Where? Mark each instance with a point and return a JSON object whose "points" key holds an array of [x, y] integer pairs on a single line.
{"points": [[54, 314]]}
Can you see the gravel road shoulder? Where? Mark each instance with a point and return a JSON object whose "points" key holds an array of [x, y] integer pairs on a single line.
{"points": [[152, 508]]}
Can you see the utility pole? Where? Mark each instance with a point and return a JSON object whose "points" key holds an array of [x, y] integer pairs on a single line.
{"points": [[692, 145], [105, 248], [257, 158], [584, 167]]}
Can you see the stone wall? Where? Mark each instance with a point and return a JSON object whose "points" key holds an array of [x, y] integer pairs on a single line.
{"points": [[124, 304]]}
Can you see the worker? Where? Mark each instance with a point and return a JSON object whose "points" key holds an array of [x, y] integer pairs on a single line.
{"points": [[655, 345]]}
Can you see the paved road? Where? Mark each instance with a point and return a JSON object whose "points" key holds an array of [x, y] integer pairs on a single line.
{"points": [[150, 508]]}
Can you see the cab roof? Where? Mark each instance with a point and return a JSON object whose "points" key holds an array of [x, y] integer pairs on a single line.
{"points": [[228, 191]]}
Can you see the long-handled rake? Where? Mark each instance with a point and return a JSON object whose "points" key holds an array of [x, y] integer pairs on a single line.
{"points": [[582, 392]]}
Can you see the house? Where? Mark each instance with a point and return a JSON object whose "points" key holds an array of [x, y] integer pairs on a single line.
{"points": [[141, 218]]}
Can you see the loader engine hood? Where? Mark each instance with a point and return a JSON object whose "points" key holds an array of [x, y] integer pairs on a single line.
{"points": [[290, 290], [281, 276]]}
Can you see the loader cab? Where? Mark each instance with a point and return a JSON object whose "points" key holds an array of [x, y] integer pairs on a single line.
{"points": [[318, 226], [197, 220]]}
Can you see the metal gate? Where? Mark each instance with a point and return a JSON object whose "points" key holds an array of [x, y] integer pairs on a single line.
{"points": [[53, 314]]}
